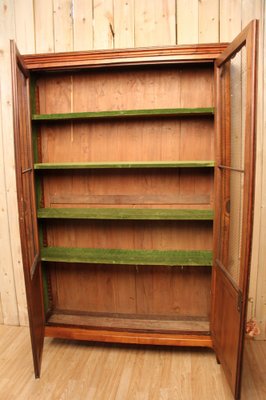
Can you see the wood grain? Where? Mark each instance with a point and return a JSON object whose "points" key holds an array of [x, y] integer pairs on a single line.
{"points": [[143, 56], [230, 19], [44, 26], [82, 25], [209, 21], [25, 26], [154, 23], [187, 21], [124, 27], [103, 27], [129, 372], [12, 282]]}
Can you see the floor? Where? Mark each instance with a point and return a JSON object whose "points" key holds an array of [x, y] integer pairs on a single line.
{"points": [[85, 371]]}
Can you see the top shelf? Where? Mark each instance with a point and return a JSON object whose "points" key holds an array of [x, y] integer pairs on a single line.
{"points": [[165, 112]]}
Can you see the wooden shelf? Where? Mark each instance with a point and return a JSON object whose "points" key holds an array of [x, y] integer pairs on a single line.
{"points": [[131, 322], [124, 164], [125, 213], [165, 112], [127, 257]]}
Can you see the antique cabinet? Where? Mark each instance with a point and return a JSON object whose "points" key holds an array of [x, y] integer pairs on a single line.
{"points": [[135, 189]]}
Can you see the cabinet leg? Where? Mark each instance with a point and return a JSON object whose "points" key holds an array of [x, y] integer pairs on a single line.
{"points": [[217, 359]]}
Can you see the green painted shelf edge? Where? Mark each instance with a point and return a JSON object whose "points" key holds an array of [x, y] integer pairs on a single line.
{"points": [[125, 213], [124, 164], [127, 257], [165, 112]]}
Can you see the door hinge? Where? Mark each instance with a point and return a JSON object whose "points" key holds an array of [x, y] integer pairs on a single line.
{"points": [[239, 301]]}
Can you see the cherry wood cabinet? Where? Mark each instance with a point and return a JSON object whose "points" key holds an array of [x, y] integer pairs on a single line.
{"points": [[135, 191]]}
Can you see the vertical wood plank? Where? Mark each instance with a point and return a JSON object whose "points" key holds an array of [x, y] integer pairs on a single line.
{"points": [[124, 23], [1, 311], [24, 22], [187, 21], [25, 39], [258, 291], [44, 26], [258, 272], [7, 173], [9, 312], [63, 27], [82, 25], [250, 10], [209, 21], [103, 24], [155, 23], [230, 19], [257, 287]]}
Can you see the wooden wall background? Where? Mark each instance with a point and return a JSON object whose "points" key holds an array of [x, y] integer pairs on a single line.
{"points": [[40, 26]]}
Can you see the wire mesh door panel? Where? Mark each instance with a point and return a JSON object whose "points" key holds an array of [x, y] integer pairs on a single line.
{"points": [[232, 167]]}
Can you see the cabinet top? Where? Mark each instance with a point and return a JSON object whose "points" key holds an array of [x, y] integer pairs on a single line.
{"points": [[124, 57]]}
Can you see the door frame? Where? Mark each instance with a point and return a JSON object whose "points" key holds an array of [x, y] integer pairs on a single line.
{"points": [[248, 38]]}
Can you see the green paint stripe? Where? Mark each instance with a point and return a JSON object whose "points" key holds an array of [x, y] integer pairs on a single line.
{"points": [[111, 165], [181, 112], [127, 257], [125, 213]]}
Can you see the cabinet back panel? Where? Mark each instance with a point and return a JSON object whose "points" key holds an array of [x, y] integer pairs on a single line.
{"points": [[146, 290], [149, 188], [158, 139], [146, 235], [153, 87]]}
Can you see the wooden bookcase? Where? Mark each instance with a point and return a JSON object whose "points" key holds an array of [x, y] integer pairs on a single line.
{"points": [[118, 154]]}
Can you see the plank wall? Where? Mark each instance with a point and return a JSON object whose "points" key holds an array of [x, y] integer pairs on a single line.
{"points": [[65, 25]]}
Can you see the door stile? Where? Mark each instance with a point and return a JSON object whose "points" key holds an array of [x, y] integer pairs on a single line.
{"points": [[27, 204]]}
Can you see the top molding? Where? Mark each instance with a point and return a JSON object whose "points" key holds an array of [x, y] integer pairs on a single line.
{"points": [[123, 57]]}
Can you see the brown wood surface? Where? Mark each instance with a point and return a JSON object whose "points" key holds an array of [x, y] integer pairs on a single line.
{"points": [[27, 206], [127, 88], [127, 337], [171, 140], [145, 290], [129, 187], [142, 56], [226, 316], [130, 322], [146, 235]]}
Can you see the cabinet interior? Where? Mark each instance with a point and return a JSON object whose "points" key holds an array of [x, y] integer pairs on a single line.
{"points": [[124, 161]]}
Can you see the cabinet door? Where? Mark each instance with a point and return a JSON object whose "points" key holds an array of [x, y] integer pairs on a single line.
{"points": [[27, 205], [235, 146]]}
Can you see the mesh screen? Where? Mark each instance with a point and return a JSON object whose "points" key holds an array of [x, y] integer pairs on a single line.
{"points": [[234, 178]]}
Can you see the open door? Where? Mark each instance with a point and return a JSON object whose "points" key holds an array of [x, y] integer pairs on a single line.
{"points": [[27, 205], [235, 149]]}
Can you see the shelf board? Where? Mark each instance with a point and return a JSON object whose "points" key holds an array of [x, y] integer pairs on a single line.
{"points": [[124, 164], [133, 322], [127, 257], [125, 213], [165, 112]]}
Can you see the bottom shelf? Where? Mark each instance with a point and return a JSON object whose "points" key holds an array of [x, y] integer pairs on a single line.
{"points": [[128, 337], [132, 323]]}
